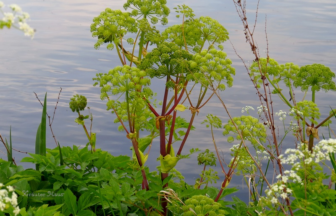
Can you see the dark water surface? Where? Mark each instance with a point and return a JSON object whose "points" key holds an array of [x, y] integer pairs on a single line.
{"points": [[62, 55]]}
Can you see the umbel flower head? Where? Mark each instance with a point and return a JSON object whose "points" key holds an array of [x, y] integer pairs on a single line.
{"points": [[171, 60], [249, 127], [111, 25], [155, 10], [77, 103], [316, 76], [210, 67], [196, 33], [128, 79], [270, 68], [202, 205]]}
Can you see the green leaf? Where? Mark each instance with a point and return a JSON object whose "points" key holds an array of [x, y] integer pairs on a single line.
{"points": [[37, 143], [57, 185], [166, 180], [79, 121], [85, 213], [10, 147], [70, 201], [61, 156], [43, 135], [86, 200]]}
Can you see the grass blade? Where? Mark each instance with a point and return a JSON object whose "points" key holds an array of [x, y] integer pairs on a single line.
{"points": [[37, 143], [61, 156], [43, 134], [10, 153]]}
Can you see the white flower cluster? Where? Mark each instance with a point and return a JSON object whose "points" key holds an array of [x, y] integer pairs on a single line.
{"points": [[263, 155], [281, 114], [320, 153], [290, 175], [261, 109], [18, 19], [8, 198], [246, 109], [294, 111], [276, 191], [293, 127]]}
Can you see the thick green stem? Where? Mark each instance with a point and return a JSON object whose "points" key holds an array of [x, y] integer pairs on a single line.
{"points": [[279, 92]]}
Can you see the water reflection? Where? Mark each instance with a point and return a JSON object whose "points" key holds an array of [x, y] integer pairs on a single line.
{"points": [[62, 55]]}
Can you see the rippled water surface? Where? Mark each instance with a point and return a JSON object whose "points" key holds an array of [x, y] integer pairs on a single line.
{"points": [[62, 55]]}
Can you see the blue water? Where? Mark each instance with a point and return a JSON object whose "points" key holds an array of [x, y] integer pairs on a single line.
{"points": [[62, 55]]}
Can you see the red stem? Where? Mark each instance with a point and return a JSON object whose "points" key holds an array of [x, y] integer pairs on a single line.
{"points": [[151, 108], [137, 153], [171, 133], [176, 103], [199, 186], [186, 135]]}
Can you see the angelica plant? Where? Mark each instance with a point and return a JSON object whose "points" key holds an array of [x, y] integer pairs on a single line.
{"points": [[180, 56]]}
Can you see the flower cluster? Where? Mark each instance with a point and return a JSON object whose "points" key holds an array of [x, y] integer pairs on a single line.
{"points": [[129, 81], [302, 156], [212, 66], [111, 25], [169, 58], [244, 163], [78, 103], [316, 76], [202, 205], [261, 109], [276, 191], [263, 155], [249, 127], [307, 109], [155, 10], [246, 109], [16, 18], [267, 66], [207, 158], [195, 33], [8, 200], [281, 114]]}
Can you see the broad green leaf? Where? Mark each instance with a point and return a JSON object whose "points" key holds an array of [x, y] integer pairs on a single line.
{"points": [[70, 201], [85, 213], [86, 200]]}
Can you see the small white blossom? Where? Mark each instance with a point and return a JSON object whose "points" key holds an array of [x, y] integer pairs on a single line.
{"points": [[15, 7], [261, 109], [281, 114], [8, 17], [283, 195], [16, 211], [274, 200], [10, 188], [2, 206], [246, 109]]}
